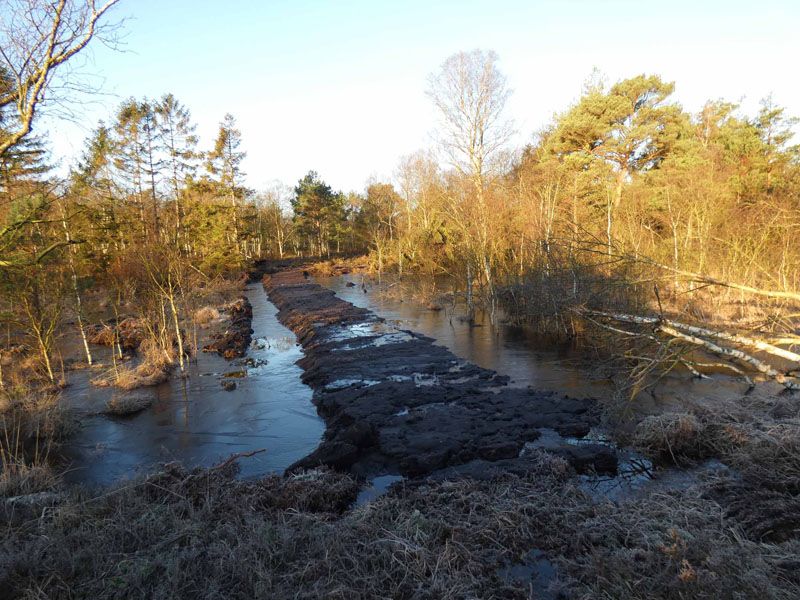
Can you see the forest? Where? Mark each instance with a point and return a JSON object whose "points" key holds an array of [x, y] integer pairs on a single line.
{"points": [[654, 241], [623, 194]]}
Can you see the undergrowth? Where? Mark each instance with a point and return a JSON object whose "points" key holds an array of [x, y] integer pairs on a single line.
{"points": [[204, 534]]}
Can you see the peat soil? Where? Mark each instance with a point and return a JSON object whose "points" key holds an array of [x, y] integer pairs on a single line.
{"points": [[394, 402], [234, 341]]}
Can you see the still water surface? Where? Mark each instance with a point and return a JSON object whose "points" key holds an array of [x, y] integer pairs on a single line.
{"points": [[193, 420]]}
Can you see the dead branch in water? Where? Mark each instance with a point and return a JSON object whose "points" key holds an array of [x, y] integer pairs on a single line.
{"points": [[697, 336], [234, 457]]}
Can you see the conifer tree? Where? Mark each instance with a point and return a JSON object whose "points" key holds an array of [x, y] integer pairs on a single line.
{"points": [[224, 164], [628, 129], [129, 153], [319, 212], [179, 142]]}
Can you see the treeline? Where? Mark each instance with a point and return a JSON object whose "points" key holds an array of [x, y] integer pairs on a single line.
{"points": [[624, 201], [143, 179], [656, 233], [624, 180], [149, 220]]}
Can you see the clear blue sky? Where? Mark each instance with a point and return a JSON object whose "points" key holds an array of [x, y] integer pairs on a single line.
{"points": [[339, 86]]}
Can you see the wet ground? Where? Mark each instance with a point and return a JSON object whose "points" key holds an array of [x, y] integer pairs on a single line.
{"points": [[195, 421], [519, 352], [528, 359], [396, 402]]}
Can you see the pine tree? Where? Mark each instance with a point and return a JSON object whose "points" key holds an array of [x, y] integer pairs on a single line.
{"points": [[93, 180], [138, 154], [628, 129], [319, 212], [179, 142], [224, 164], [24, 162]]}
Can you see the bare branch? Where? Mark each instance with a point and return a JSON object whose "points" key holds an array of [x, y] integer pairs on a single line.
{"points": [[37, 38]]}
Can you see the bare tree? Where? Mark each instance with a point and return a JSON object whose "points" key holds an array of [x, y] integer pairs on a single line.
{"points": [[471, 93], [37, 38]]}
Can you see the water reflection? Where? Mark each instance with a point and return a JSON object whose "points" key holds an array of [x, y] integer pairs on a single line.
{"points": [[510, 350], [195, 421], [528, 358]]}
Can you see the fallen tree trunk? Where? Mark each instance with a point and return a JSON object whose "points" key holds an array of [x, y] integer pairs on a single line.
{"points": [[700, 278], [692, 335], [757, 364], [722, 335]]}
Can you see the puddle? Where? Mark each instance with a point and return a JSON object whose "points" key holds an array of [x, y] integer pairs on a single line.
{"points": [[633, 470], [369, 334], [534, 569], [341, 384], [195, 421], [376, 488]]}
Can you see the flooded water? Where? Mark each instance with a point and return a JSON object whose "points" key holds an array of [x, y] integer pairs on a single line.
{"points": [[536, 571], [195, 421], [510, 350], [525, 356]]}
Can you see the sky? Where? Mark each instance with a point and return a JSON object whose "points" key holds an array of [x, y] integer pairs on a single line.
{"points": [[339, 87]]}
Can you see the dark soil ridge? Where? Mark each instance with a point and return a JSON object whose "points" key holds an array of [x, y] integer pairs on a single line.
{"points": [[235, 340], [394, 402]]}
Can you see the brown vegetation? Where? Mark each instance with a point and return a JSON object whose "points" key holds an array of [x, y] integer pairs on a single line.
{"points": [[201, 534], [123, 406], [153, 368], [661, 240], [31, 425], [206, 315], [670, 436], [127, 334]]}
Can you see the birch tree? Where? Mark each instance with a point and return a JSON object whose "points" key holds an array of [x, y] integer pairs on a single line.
{"points": [[470, 94]]}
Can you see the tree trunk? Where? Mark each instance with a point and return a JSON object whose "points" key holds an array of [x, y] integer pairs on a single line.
{"points": [[178, 335], [470, 300]]}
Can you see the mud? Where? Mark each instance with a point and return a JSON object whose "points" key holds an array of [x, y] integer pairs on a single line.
{"points": [[234, 341], [395, 402]]}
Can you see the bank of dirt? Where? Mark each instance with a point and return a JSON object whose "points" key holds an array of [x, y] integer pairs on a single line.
{"points": [[395, 402]]}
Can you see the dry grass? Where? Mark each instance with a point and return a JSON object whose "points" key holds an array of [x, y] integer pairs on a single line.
{"points": [[23, 478], [339, 266], [202, 534], [681, 544], [128, 333], [220, 289], [123, 406], [127, 378], [670, 437], [31, 425], [323, 268], [146, 374], [103, 336], [206, 315], [760, 442], [154, 368]]}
